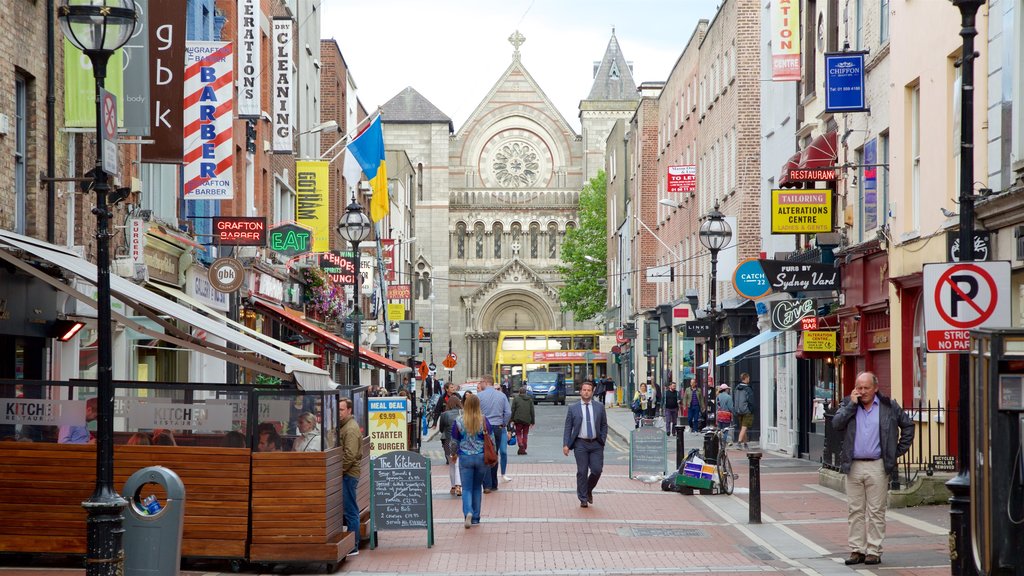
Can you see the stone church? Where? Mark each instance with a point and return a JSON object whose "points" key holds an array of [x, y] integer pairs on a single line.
{"points": [[493, 202]]}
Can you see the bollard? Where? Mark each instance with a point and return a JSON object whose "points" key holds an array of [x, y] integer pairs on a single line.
{"points": [[754, 460], [680, 445]]}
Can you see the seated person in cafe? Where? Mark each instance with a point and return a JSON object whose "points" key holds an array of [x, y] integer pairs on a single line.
{"points": [[309, 439], [269, 440], [80, 434], [234, 439], [139, 439], [163, 437]]}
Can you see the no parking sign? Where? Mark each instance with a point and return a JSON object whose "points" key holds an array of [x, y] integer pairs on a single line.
{"points": [[960, 297]]}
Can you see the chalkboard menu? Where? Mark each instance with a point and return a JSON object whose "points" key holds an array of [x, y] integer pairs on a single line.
{"points": [[400, 492], [648, 451]]}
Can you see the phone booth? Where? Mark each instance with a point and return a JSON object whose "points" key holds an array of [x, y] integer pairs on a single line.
{"points": [[996, 461]]}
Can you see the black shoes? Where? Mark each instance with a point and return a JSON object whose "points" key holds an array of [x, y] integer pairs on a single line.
{"points": [[583, 504], [590, 497], [856, 558]]}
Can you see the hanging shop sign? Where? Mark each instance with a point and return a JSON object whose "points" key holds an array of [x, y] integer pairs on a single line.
{"points": [[249, 69], [396, 312], [681, 178], [844, 82], [388, 254], [282, 75], [311, 204], [796, 277], [697, 329], [240, 230], [341, 269], [982, 246], [290, 240], [801, 211], [209, 100], [166, 88], [870, 203], [135, 99], [819, 341], [809, 323], [749, 280], [267, 286], [226, 275], [787, 314], [399, 291], [785, 38], [812, 174]]}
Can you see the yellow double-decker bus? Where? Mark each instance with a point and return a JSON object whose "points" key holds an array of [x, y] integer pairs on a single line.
{"points": [[572, 353]]}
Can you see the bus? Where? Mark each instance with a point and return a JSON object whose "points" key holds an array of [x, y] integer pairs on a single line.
{"points": [[572, 353]]}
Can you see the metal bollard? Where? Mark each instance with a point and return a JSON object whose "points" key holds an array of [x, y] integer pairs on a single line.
{"points": [[754, 506], [680, 445]]}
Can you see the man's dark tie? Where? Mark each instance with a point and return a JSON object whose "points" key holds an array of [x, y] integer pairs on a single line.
{"points": [[586, 413]]}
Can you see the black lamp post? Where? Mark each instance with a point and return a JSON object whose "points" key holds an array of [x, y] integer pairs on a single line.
{"points": [[960, 554], [98, 28], [354, 227], [715, 234]]}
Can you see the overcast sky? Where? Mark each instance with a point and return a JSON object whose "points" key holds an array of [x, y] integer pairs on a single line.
{"points": [[453, 51]]}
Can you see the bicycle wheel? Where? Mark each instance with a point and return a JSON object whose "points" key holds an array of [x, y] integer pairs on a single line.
{"points": [[726, 478]]}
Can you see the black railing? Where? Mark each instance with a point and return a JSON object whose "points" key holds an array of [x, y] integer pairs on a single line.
{"points": [[930, 452]]}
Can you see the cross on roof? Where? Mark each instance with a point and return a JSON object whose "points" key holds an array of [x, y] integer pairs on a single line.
{"points": [[516, 40]]}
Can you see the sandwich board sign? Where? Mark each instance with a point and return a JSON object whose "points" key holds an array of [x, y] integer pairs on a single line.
{"points": [[960, 297]]}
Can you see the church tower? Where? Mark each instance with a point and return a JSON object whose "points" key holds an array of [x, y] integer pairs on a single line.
{"points": [[613, 97]]}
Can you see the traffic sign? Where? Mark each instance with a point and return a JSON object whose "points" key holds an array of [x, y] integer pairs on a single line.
{"points": [[960, 297], [450, 361], [108, 106]]}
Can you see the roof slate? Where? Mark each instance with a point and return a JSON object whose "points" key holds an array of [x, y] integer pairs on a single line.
{"points": [[410, 106], [614, 79]]}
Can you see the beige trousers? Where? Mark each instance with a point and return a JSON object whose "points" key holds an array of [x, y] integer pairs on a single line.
{"points": [[867, 488]]}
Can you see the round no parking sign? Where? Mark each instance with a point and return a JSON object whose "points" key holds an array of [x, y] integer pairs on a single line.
{"points": [[960, 297]]}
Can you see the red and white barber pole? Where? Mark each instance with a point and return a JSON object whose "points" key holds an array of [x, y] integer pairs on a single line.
{"points": [[209, 102]]}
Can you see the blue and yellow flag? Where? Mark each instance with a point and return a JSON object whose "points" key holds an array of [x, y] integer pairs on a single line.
{"points": [[368, 150]]}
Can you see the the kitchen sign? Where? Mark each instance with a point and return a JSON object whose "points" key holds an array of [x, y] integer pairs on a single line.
{"points": [[787, 314]]}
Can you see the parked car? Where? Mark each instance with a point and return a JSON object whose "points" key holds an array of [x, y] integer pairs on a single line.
{"points": [[546, 387]]}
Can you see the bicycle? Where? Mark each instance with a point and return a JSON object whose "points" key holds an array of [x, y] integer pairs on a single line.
{"points": [[726, 477]]}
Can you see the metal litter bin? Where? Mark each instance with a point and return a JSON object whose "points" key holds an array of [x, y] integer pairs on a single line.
{"points": [[152, 537]]}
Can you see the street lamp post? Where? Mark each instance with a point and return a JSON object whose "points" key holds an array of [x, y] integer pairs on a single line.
{"points": [[98, 28], [960, 553], [715, 234], [354, 227]]}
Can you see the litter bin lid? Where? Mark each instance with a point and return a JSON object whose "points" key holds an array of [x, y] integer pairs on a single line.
{"points": [[165, 477]]}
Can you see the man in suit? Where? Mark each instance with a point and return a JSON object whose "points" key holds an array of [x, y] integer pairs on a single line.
{"points": [[586, 428]]}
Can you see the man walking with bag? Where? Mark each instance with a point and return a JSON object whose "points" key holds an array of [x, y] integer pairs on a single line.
{"points": [[498, 412], [523, 417], [743, 400], [586, 428]]}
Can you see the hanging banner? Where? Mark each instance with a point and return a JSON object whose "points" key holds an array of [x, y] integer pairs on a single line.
{"points": [[367, 261], [311, 202], [166, 89], [801, 211], [844, 82], [870, 184], [136, 76], [282, 74], [785, 40], [248, 59], [388, 248], [80, 86], [209, 100]]}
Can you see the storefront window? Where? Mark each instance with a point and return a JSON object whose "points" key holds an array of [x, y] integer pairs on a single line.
{"points": [[920, 355]]}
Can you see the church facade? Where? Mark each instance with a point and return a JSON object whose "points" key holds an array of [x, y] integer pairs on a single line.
{"points": [[493, 202]]}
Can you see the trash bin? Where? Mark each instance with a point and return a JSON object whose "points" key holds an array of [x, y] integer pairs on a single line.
{"points": [[152, 529]]}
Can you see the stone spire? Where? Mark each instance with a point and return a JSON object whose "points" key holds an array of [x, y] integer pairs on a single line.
{"points": [[613, 76], [516, 40]]}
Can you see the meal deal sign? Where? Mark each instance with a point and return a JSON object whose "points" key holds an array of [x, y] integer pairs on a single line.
{"points": [[682, 178], [387, 425], [961, 297], [801, 211]]}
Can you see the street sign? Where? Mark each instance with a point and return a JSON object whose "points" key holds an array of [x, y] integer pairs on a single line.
{"points": [[109, 128], [962, 297], [450, 361], [660, 274]]}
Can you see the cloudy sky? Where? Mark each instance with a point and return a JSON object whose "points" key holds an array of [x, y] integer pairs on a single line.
{"points": [[453, 51]]}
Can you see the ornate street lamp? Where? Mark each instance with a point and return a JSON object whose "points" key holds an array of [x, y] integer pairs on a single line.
{"points": [[715, 234], [98, 28], [354, 227]]}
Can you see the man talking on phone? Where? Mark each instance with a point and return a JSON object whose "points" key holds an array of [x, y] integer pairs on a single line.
{"points": [[876, 432]]}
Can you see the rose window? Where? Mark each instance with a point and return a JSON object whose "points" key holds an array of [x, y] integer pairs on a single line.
{"points": [[516, 165]]}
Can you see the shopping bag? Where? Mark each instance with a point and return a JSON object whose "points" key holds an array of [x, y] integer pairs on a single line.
{"points": [[512, 441]]}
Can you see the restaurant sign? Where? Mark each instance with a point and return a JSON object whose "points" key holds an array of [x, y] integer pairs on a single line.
{"points": [[291, 240], [795, 277], [801, 211], [787, 314], [341, 269], [42, 412], [194, 417], [811, 174], [399, 291]]}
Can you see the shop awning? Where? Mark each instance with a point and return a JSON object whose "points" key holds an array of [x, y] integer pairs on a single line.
{"points": [[792, 164], [329, 339], [200, 307], [743, 348], [820, 153], [274, 361]]}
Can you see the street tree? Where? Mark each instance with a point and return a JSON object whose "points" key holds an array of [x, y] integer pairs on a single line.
{"points": [[585, 255]]}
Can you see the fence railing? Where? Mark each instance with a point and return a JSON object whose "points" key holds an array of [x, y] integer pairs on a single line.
{"points": [[930, 452]]}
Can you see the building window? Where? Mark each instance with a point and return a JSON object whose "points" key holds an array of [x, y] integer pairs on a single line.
{"points": [[858, 39], [883, 22], [915, 158], [419, 181], [460, 240], [20, 152], [810, 47], [497, 230], [284, 206], [534, 240], [478, 239], [552, 240]]}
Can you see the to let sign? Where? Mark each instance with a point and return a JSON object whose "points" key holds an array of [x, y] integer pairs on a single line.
{"points": [[682, 178], [962, 297], [240, 230]]}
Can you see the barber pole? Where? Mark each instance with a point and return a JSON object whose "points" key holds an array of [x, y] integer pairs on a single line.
{"points": [[208, 110]]}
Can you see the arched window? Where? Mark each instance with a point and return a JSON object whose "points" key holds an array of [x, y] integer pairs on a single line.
{"points": [[534, 239], [460, 240], [552, 240], [497, 230], [478, 238], [517, 236]]}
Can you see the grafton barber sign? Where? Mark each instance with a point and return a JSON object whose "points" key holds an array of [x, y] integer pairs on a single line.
{"points": [[787, 314]]}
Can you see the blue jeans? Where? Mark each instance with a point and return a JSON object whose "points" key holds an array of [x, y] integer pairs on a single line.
{"points": [[498, 435], [473, 473], [349, 484], [693, 416]]}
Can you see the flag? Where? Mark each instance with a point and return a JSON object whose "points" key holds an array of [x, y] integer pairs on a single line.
{"points": [[368, 149], [351, 171]]}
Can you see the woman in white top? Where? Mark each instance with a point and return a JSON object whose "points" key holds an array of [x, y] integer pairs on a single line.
{"points": [[309, 441]]}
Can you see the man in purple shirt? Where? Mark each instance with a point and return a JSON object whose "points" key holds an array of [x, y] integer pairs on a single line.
{"points": [[876, 432]]}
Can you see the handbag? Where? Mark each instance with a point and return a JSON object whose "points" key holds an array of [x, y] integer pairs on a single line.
{"points": [[635, 406], [724, 416], [512, 441], [490, 454]]}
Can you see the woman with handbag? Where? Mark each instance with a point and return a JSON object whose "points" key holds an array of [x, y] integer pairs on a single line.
{"points": [[445, 424], [641, 403], [471, 436]]}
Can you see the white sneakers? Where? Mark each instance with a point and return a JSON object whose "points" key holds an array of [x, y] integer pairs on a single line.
{"points": [[507, 478], [469, 520]]}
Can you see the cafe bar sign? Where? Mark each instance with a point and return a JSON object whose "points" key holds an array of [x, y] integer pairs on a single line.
{"points": [[788, 314]]}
